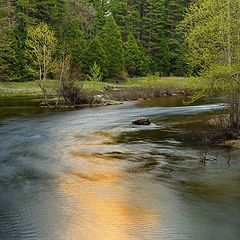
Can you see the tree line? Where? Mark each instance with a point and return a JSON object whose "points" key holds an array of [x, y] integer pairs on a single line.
{"points": [[123, 37]]}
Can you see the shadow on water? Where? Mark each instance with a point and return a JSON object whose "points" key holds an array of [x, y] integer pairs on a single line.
{"points": [[91, 174]]}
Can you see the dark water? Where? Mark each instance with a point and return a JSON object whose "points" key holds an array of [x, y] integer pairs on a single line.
{"points": [[90, 174]]}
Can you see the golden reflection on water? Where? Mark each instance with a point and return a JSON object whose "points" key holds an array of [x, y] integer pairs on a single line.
{"points": [[96, 215], [103, 206]]}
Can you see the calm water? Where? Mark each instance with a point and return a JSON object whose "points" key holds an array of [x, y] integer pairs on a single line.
{"points": [[91, 175]]}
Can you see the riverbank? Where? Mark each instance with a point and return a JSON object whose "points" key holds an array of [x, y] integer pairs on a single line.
{"points": [[31, 88], [110, 93]]}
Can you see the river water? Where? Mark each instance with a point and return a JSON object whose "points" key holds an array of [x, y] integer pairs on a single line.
{"points": [[91, 175]]}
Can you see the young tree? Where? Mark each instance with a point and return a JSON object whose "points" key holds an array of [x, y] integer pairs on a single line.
{"points": [[212, 33], [41, 44], [95, 74], [111, 41]]}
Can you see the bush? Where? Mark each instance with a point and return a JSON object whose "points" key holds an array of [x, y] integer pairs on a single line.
{"points": [[152, 80], [71, 92], [122, 76]]}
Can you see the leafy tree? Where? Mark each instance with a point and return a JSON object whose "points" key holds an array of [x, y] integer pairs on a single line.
{"points": [[95, 54], [212, 33], [41, 44], [111, 41], [135, 58]]}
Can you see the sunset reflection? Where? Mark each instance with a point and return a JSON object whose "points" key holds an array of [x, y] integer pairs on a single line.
{"points": [[106, 213], [102, 206]]}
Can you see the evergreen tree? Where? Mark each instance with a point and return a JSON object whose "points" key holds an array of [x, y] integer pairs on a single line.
{"points": [[128, 15], [111, 41], [95, 54], [174, 12], [76, 43], [5, 42], [153, 24], [135, 57], [82, 12], [102, 9], [154, 38], [49, 11], [160, 58], [8, 40]]}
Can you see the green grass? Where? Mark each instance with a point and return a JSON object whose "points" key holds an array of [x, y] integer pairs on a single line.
{"points": [[15, 89], [31, 88]]}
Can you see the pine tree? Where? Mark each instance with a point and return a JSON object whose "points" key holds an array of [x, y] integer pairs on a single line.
{"points": [[76, 43], [95, 54], [6, 39], [154, 38], [135, 57], [82, 12], [174, 12], [128, 15], [102, 9], [111, 41], [49, 11]]}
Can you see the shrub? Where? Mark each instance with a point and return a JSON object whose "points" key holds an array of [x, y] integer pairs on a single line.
{"points": [[95, 73]]}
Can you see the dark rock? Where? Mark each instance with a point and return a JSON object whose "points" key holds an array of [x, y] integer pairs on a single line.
{"points": [[141, 121]]}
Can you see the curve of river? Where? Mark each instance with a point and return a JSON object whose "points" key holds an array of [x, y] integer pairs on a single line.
{"points": [[90, 174]]}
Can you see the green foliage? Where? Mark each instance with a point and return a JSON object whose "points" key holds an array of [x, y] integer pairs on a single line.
{"points": [[152, 80], [81, 12], [94, 53], [101, 8], [155, 24], [173, 13], [148, 28], [217, 52], [111, 41], [135, 57], [6, 39], [95, 74], [41, 44], [76, 43]]}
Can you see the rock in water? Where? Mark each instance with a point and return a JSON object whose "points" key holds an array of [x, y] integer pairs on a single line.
{"points": [[141, 121]]}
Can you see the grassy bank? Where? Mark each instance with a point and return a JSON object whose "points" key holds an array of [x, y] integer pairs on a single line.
{"points": [[31, 88]]}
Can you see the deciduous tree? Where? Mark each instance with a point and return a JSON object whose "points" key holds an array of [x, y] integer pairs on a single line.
{"points": [[41, 44], [212, 32]]}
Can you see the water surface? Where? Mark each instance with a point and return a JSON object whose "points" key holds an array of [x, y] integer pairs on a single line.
{"points": [[90, 174]]}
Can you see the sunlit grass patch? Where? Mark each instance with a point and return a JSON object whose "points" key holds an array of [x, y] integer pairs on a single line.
{"points": [[31, 88]]}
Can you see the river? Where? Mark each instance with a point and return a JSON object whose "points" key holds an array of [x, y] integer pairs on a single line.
{"points": [[90, 174]]}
